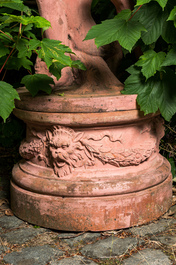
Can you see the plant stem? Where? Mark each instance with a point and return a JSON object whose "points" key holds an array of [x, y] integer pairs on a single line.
{"points": [[135, 12], [6, 35], [7, 60], [4, 75]]}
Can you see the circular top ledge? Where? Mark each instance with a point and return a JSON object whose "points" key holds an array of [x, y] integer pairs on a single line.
{"points": [[67, 103]]}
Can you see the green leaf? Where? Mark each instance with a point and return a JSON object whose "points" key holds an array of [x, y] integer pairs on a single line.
{"points": [[172, 15], [121, 28], [151, 62], [35, 83], [16, 5], [6, 37], [38, 21], [153, 19], [7, 96], [170, 58], [78, 64], [22, 46], [56, 68], [162, 3], [3, 50], [54, 50], [157, 92], [17, 63], [173, 167], [34, 44], [169, 32]]}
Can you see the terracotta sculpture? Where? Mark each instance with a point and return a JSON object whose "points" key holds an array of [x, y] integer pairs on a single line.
{"points": [[91, 159], [70, 21]]}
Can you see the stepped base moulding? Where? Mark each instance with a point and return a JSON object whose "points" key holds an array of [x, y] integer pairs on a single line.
{"points": [[88, 165]]}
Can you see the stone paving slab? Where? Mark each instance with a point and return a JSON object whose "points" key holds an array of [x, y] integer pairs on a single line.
{"points": [[9, 222], [148, 257], [20, 236], [166, 240], [110, 247], [152, 228], [76, 260], [46, 248], [82, 239], [39, 255]]}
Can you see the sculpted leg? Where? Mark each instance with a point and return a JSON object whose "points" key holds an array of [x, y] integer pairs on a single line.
{"points": [[70, 21]]}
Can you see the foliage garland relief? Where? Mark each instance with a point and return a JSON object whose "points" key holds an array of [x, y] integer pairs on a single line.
{"points": [[18, 43], [152, 26]]}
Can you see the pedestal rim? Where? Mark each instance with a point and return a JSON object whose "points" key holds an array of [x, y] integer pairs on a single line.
{"points": [[123, 183]]}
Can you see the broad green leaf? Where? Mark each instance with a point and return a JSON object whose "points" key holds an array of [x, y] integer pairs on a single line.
{"points": [[157, 92], [56, 68], [37, 82], [153, 19], [169, 32], [7, 96], [38, 21], [34, 44], [3, 50], [121, 28], [78, 64], [142, 2], [170, 58], [172, 15], [151, 62], [162, 3], [7, 37], [17, 63], [53, 49], [16, 5], [22, 46]]}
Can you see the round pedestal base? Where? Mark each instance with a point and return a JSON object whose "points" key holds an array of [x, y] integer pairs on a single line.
{"points": [[92, 213]]}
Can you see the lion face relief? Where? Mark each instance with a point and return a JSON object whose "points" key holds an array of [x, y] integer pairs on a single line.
{"points": [[65, 150]]}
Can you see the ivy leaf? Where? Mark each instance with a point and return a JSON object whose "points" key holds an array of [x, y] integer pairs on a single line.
{"points": [[35, 83], [162, 3], [153, 19], [151, 62], [158, 92], [7, 96], [3, 50], [172, 15], [121, 28], [54, 50], [170, 58]]}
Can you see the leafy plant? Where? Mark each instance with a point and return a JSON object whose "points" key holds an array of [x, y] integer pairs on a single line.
{"points": [[19, 45], [152, 27]]}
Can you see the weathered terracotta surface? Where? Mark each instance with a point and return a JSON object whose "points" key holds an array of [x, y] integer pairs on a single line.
{"points": [[68, 172], [92, 213], [90, 158], [70, 21]]}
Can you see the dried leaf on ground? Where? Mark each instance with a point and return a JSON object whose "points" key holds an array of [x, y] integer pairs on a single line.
{"points": [[8, 212]]}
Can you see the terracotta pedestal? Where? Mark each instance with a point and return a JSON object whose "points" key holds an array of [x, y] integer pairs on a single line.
{"points": [[90, 159], [89, 171]]}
